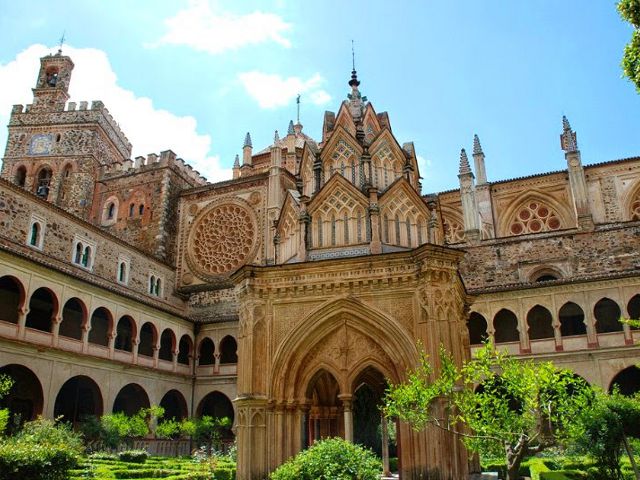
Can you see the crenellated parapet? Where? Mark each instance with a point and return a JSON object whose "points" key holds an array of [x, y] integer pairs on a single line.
{"points": [[74, 113], [153, 161]]}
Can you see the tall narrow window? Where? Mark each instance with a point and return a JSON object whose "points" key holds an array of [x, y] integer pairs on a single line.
{"points": [[333, 230], [386, 228], [157, 288], [359, 227], [353, 172], [122, 272], [152, 284], [397, 229], [408, 233], [141, 209], [131, 209], [345, 220], [86, 256], [111, 210], [34, 239], [419, 228], [319, 226], [78, 255]]}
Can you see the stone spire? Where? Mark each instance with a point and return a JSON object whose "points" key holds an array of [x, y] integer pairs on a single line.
{"points": [[290, 130], [247, 150], [356, 100], [464, 163], [477, 148], [478, 161], [236, 167], [568, 138], [276, 137]]}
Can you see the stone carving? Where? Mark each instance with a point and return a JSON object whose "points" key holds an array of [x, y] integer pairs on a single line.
{"points": [[223, 238]]}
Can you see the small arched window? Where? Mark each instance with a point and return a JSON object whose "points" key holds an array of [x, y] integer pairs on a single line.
{"points": [[111, 209], [152, 284], [34, 238], [141, 209], [44, 180], [131, 209], [157, 287], [123, 272]]}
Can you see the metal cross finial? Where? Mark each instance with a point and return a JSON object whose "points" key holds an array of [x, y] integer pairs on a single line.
{"points": [[353, 56], [61, 41], [298, 102]]}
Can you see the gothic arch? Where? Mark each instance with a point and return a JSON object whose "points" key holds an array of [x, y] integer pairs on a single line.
{"points": [[562, 212], [631, 204], [349, 313], [452, 224]]}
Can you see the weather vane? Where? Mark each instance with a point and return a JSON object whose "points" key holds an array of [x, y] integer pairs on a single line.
{"points": [[298, 102]]}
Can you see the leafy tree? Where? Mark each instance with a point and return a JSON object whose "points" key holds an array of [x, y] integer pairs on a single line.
{"points": [[6, 383], [630, 11], [519, 408], [603, 432], [208, 431]]}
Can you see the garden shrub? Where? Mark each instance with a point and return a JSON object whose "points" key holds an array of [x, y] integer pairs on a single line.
{"points": [[42, 450], [331, 459], [133, 456]]}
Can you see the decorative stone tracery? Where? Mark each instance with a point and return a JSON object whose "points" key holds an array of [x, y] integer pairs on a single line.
{"points": [[534, 217], [223, 238]]}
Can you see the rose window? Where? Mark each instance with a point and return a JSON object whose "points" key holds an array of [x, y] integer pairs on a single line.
{"points": [[533, 218], [222, 239]]}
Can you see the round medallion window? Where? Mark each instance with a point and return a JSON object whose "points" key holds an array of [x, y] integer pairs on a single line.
{"points": [[222, 239]]}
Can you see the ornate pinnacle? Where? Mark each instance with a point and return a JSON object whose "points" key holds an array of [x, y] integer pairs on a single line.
{"points": [[236, 162], [477, 148], [464, 163], [568, 138], [247, 140], [290, 130], [276, 137]]}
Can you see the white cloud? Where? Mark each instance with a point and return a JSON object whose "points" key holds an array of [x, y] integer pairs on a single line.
{"points": [[209, 30], [148, 128], [272, 90], [424, 165]]}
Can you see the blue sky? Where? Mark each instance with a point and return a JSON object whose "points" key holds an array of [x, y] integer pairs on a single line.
{"points": [[196, 76]]}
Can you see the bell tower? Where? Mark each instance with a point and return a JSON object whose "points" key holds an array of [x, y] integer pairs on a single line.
{"points": [[52, 86]]}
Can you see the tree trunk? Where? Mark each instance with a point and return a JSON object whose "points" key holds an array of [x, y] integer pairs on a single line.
{"points": [[627, 447], [514, 455]]}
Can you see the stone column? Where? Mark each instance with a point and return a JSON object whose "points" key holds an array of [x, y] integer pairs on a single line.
{"points": [[174, 360], [385, 448], [156, 355], [348, 416], [86, 328], [22, 323], [112, 342], [134, 349], [56, 320], [216, 362]]}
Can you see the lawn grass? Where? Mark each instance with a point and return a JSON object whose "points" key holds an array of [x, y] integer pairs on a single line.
{"points": [[108, 467]]}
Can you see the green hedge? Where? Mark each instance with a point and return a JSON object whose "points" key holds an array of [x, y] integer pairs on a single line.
{"points": [[26, 460]]}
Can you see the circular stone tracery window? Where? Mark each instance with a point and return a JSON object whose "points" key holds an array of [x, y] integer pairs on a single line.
{"points": [[223, 238], [533, 218]]}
